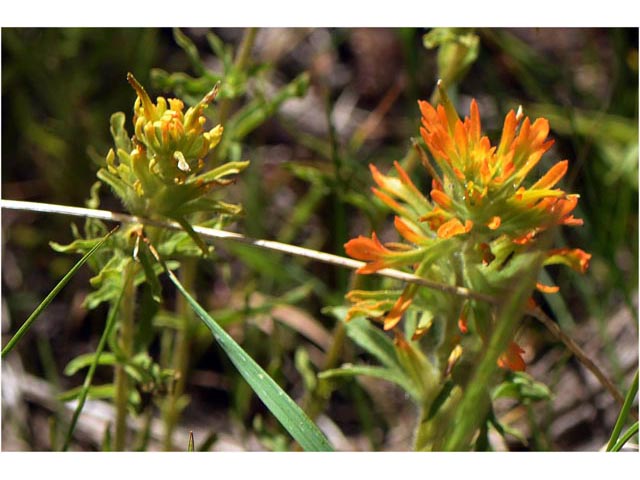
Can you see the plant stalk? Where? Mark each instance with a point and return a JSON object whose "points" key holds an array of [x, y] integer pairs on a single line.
{"points": [[240, 63], [121, 380]]}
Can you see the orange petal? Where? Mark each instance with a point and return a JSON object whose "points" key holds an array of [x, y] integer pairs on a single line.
{"points": [[474, 122], [364, 248], [552, 177], [564, 206], [441, 198], [462, 323], [573, 222], [512, 358], [435, 218], [575, 258], [508, 132], [377, 176], [405, 179], [494, 223], [524, 239], [547, 288], [454, 227], [395, 315], [458, 173], [388, 201], [368, 249], [407, 232]]}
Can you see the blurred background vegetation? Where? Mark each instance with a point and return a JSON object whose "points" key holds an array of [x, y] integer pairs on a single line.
{"points": [[311, 108]]}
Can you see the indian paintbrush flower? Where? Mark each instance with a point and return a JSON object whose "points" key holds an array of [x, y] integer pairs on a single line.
{"points": [[160, 171], [481, 211]]}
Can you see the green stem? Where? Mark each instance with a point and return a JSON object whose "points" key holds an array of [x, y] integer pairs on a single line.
{"points": [[242, 59], [315, 400], [473, 407], [126, 345], [181, 353]]}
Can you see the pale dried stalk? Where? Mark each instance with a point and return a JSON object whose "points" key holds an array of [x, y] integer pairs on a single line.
{"points": [[321, 257], [237, 237]]}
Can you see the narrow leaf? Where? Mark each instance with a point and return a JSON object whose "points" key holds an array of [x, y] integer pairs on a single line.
{"points": [[369, 338], [623, 415], [377, 372], [96, 391], [288, 413], [633, 429], [49, 298], [86, 360], [95, 361]]}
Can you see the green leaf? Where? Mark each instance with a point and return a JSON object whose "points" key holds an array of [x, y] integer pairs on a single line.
{"points": [[86, 360], [49, 298], [288, 413], [522, 386], [368, 337], [303, 365], [96, 391], [382, 373], [191, 50]]}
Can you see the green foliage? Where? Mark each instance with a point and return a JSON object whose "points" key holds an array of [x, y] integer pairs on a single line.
{"points": [[307, 185], [292, 418]]}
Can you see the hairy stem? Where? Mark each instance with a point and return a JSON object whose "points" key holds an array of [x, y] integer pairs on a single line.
{"points": [[475, 402], [125, 339]]}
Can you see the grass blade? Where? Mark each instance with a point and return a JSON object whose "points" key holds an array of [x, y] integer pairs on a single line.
{"points": [[288, 413], [111, 320], [633, 429], [49, 298], [624, 414]]}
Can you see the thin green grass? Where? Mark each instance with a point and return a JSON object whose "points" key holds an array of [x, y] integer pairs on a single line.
{"points": [[616, 441], [288, 413], [49, 298], [111, 320]]}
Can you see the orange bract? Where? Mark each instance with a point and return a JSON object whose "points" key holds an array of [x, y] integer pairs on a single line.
{"points": [[481, 200], [512, 358], [368, 249]]}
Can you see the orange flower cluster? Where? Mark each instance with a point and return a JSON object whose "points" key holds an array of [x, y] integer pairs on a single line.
{"points": [[478, 201]]}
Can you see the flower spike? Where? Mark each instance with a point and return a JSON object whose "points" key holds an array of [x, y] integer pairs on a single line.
{"points": [[483, 207]]}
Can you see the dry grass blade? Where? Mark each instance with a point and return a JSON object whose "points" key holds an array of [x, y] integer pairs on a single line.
{"points": [[236, 237], [321, 257]]}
